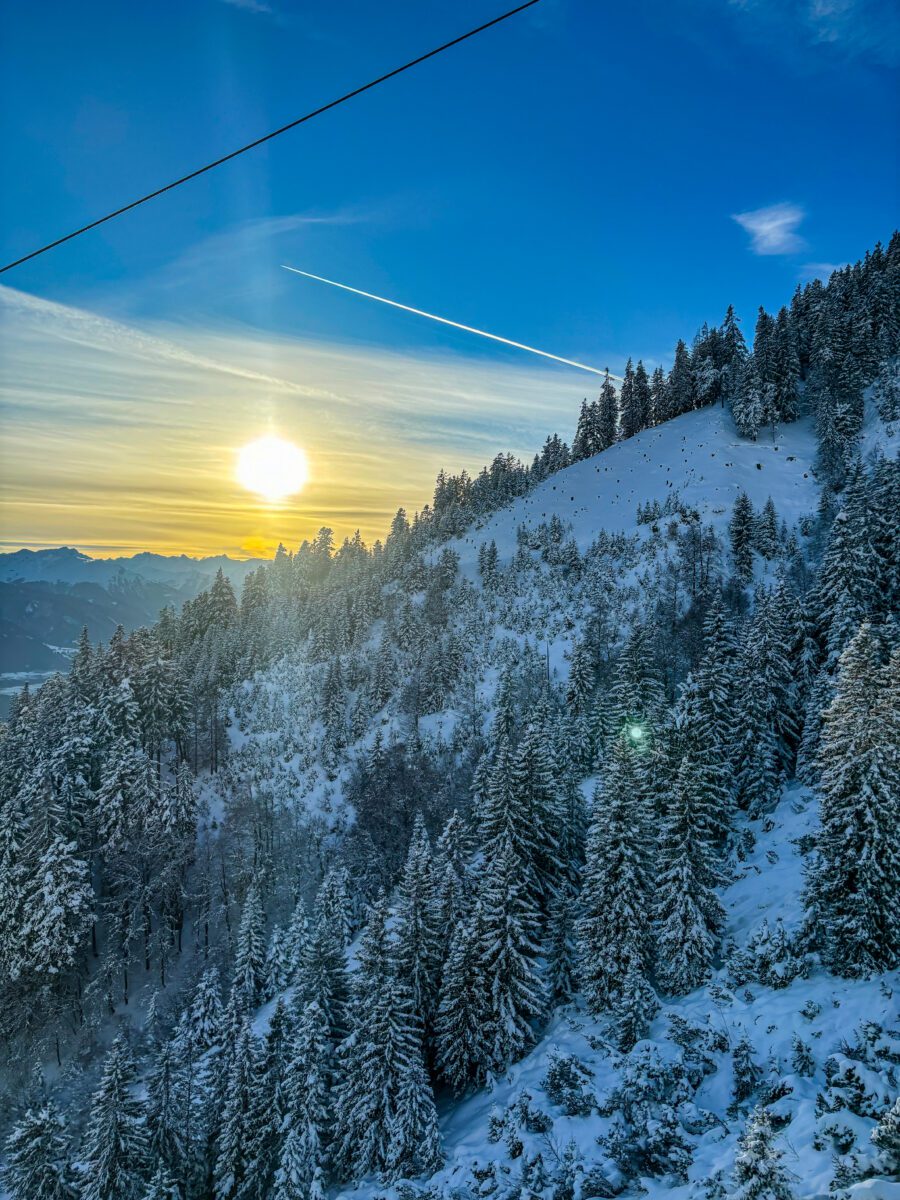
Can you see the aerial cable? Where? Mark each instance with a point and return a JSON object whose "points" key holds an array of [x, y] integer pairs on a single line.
{"points": [[316, 112]]}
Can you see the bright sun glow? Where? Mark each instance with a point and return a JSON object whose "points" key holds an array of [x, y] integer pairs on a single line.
{"points": [[272, 468]]}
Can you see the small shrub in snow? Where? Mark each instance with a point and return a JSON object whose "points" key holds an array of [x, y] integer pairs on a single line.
{"points": [[746, 1072], [567, 1084], [802, 1059], [758, 1171], [886, 1140], [767, 958]]}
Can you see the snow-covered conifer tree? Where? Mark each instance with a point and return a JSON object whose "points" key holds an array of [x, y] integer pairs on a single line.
{"points": [[114, 1150]]}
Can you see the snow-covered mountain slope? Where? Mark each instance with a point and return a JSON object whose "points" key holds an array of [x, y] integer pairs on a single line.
{"points": [[807, 1037], [697, 456], [829, 1015]]}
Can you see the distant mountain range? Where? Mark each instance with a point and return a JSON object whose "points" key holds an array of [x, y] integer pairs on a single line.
{"points": [[48, 596]]}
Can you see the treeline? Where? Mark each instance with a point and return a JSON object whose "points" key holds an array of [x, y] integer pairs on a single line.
{"points": [[483, 884]]}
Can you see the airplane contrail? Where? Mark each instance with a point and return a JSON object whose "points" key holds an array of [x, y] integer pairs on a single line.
{"points": [[495, 337]]}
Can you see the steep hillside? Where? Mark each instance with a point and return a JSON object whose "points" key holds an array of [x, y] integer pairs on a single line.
{"points": [[806, 1035], [547, 850], [697, 458]]}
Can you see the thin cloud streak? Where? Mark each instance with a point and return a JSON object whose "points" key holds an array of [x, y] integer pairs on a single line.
{"points": [[94, 410]]}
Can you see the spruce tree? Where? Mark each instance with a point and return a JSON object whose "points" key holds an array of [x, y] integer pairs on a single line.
{"points": [[508, 953], [741, 530], [681, 381], [629, 422], [417, 933], [37, 1157], [238, 1140], [114, 1151], [162, 1187], [388, 1122], [205, 1018], [660, 409], [853, 888], [250, 953], [462, 1049], [323, 969], [303, 1163], [642, 398], [613, 933], [886, 1140], [607, 414], [166, 1113], [758, 1170], [689, 914]]}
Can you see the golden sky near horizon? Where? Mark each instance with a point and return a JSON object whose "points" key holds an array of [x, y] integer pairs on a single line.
{"points": [[116, 439]]}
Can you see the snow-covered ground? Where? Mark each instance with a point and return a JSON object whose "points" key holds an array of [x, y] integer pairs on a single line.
{"points": [[698, 456], [825, 1012], [699, 459]]}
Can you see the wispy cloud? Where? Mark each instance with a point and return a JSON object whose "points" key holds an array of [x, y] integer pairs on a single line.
{"points": [[123, 436], [254, 6], [862, 29], [773, 230]]}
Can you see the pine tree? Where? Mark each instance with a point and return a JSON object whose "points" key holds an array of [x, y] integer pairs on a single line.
{"points": [[613, 934], [532, 781], [276, 975], [295, 939], [323, 970], [58, 909], [689, 914], [162, 1187], [560, 944], [636, 703], [681, 382], [660, 408], [417, 934], [388, 1122], [607, 414], [451, 884], [886, 1140], [748, 401], [583, 444], [238, 1140], [853, 890], [848, 585], [250, 953], [734, 354], [745, 1071], [642, 398], [296, 1178], [741, 530], [414, 1146], [37, 1157], [166, 1114], [272, 1100], [461, 1044], [303, 1163], [509, 976], [758, 1171], [629, 416], [802, 1058], [114, 1152], [205, 1018]]}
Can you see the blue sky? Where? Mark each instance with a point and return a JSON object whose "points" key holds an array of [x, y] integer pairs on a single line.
{"points": [[570, 179]]}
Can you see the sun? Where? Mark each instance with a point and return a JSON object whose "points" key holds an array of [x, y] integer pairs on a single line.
{"points": [[272, 468]]}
